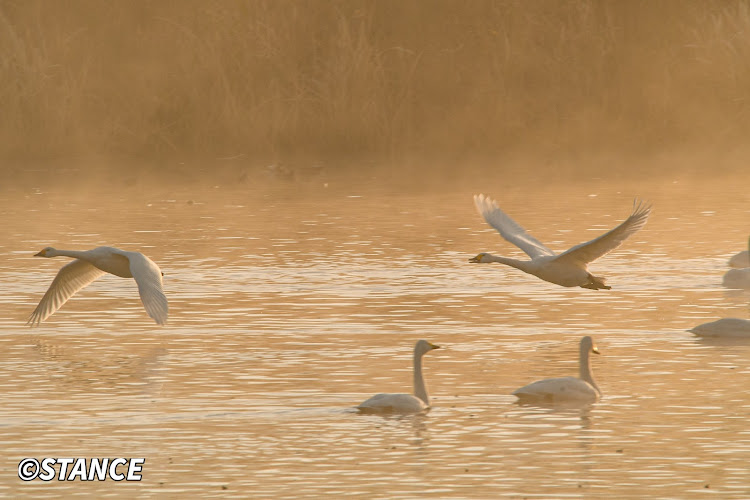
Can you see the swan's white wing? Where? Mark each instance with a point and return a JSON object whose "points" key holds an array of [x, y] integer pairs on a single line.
{"points": [[70, 278], [148, 277], [508, 228], [590, 251]]}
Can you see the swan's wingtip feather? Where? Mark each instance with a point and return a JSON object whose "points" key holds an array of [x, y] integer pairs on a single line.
{"points": [[36, 318], [484, 203], [159, 316], [641, 206], [479, 199]]}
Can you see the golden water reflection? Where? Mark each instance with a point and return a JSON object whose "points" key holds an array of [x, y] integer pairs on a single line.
{"points": [[287, 311]]}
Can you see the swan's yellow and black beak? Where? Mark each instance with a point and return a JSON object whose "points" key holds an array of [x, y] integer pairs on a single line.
{"points": [[595, 350], [43, 253], [478, 258], [434, 346]]}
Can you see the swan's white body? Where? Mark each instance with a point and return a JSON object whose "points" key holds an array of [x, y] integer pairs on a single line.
{"points": [[741, 259], [554, 390], [737, 278], [90, 265], [725, 327], [568, 268], [404, 403]]}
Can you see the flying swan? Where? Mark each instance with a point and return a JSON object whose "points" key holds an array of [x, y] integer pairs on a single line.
{"points": [[553, 390], [404, 403], [568, 268], [90, 265]]}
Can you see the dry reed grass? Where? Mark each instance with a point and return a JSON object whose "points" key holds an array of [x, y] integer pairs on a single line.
{"points": [[391, 79]]}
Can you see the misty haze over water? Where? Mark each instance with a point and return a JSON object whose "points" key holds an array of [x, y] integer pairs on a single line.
{"points": [[169, 87]]}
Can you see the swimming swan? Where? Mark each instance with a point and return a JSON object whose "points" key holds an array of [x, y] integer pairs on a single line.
{"points": [[552, 390], [725, 327], [404, 403], [741, 259], [568, 268], [90, 265], [737, 278]]}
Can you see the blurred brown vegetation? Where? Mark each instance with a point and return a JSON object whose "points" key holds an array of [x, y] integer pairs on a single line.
{"points": [[386, 79]]}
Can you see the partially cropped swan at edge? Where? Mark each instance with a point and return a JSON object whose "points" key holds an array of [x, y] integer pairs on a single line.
{"points": [[741, 259], [725, 327], [737, 279], [568, 268], [404, 403], [90, 265], [553, 390]]}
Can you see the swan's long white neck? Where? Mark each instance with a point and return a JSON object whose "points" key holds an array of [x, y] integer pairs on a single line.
{"points": [[523, 265], [109, 260], [76, 254], [584, 361], [420, 390]]}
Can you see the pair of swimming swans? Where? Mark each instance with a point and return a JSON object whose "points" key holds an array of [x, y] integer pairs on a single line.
{"points": [[581, 389], [739, 275]]}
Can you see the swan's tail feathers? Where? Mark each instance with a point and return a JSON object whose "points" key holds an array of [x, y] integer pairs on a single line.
{"points": [[595, 283]]}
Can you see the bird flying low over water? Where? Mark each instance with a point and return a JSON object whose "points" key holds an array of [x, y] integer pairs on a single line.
{"points": [[568, 268], [90, 265]]}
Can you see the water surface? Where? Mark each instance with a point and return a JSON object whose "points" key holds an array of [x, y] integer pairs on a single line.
{"points": [[291, 304]]}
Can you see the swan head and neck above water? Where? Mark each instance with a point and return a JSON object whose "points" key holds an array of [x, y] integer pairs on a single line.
{"points": [[404, 403], [585, 373], [567, 269]]}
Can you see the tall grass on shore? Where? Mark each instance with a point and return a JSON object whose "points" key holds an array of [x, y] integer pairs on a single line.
{"points": [[369, 78]]}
